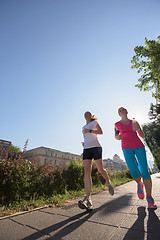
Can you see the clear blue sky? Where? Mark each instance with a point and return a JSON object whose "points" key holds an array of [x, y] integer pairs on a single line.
{"points": [[59, 58]]}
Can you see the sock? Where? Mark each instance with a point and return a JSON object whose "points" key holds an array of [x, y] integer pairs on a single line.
{"points": [[149, 196]]}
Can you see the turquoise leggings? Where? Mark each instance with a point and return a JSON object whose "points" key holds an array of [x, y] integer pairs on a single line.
{"points": [[138, 167]]}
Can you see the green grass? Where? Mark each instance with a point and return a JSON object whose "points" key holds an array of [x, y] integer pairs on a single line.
{"points": [[56, 200], [117, 181]]}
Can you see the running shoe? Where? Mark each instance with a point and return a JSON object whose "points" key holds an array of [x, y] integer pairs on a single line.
{"points": [[140, 191], [151, 203], [110, 189], [86, 203]]}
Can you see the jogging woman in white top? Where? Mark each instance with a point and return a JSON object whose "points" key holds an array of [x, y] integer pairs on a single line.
{"points": [[92, 150]]}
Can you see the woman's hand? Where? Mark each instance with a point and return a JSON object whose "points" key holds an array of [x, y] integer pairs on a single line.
{"points": [[97, 131], [118, 137], [86, 130], [137, 128]]}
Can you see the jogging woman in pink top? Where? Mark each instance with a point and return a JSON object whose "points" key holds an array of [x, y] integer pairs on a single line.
{"points": [[135, 154]]}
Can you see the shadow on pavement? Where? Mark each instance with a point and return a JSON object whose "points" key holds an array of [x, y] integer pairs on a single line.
{"points": [[138, 225], [72, 223], [153, 226]]}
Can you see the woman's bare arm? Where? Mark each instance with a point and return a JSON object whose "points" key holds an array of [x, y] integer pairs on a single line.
{"points": [[97, 131], [138, 129]]}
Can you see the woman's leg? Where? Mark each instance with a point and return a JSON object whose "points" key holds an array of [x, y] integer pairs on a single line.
{"points": [[132, 164], [101, 170], [87, 177], [148, 186], [138, 180], [129, 155], [143, 168], [86, 203]]}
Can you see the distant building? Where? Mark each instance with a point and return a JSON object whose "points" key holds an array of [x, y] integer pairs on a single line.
{"points": [[4, 148], [51, 156], [118, 160], [114, 164]]}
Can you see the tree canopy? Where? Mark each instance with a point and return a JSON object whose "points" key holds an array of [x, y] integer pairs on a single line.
{"points": [[147, 62]]}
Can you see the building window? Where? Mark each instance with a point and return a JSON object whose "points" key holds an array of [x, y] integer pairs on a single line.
{"points": [[4, 148], [55, 161], [45, 161], [62, 156]]}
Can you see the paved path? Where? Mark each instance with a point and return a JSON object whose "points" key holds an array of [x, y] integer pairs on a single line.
{"points": [[122, 216]]}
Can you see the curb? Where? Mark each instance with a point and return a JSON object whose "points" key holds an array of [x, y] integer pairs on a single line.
{"points": [[24, 212]]}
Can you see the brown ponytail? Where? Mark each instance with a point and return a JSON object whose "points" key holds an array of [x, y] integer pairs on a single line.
{"points": [[93, 117]]}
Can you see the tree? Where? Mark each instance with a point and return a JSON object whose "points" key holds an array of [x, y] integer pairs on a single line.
{"points": [[14, 151], [154, 112], [152, 134], [152, 139], [147, 62]]}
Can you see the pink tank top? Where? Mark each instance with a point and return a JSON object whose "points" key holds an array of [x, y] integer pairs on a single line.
{"points": [[130, 138]]}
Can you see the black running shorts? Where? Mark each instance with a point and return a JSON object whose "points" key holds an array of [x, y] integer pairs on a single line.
{"points": [[92, 153]]}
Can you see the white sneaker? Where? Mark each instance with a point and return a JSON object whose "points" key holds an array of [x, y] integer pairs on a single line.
{"points": [[110, 189], [86, 203]]}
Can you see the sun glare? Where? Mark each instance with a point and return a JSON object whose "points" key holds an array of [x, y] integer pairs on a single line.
{"points": [[140, 117]]}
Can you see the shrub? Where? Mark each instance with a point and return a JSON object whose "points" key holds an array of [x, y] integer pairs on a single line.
{"points": [[74, 175], [97, 179], [110, 173], [21, 180], [57, 183], [127, 173], [118, 174]]}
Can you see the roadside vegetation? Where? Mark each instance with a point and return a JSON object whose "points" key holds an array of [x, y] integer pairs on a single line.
{"points": [[27, 185]]}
